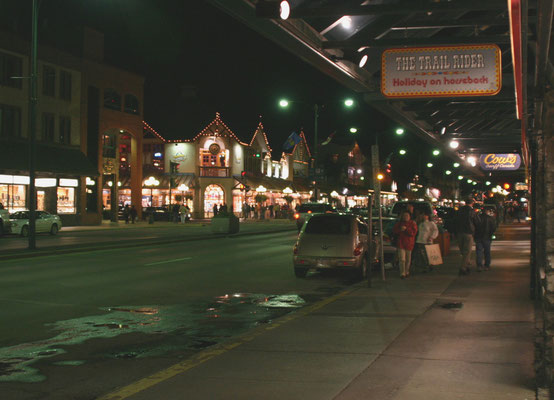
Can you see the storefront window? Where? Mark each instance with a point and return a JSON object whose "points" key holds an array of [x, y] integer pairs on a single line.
{"points": [[106, 199], [13, 197], [40, 200], [66, 200], [213, 195], [238, 200]]}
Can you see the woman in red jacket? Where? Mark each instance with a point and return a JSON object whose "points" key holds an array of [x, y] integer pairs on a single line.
{"points": [[405, 231]]}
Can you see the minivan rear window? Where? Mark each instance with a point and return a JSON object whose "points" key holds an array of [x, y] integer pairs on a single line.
{"points": [[314, 208], [328, 225], [419, 207]]}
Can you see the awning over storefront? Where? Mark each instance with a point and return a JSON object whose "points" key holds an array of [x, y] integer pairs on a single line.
{"points": [[274, 184], [178, 180], [14, 156]]}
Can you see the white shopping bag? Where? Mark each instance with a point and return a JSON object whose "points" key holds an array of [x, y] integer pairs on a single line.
{"points": [[433, 254]]}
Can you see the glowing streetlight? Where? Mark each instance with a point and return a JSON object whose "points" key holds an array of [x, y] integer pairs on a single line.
{"points": [[348, 102], [456, 165], [283, 103], [284, 10], [469, 181], [454, 144], [448, 172], [460, 177], [436, 152], [488, 183], [402, 152], [353, 130], [400, 131], [429, 165]]}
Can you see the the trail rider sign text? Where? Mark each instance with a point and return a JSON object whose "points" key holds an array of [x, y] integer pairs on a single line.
{"points": [[445, 71]]}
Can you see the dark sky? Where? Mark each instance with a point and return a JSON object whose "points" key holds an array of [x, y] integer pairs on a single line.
{"points": [[198, 60]]}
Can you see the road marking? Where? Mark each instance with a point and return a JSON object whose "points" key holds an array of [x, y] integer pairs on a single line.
{"points": [[206, 355], [168, 261]]}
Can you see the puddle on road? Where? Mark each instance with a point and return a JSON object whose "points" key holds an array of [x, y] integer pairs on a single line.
{"points": [[186, 327]]}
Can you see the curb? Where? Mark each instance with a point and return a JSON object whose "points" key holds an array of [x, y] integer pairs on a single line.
{"points": [[24, 253]]}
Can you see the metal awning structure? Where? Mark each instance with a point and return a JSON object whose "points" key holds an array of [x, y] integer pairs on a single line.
{"points": [[315, 32]]}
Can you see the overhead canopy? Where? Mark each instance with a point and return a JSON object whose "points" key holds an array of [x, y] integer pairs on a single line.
{"points": [[332, 35], [14, 156]]}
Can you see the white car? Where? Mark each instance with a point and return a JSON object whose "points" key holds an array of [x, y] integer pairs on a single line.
{"points": [[45, 222]]}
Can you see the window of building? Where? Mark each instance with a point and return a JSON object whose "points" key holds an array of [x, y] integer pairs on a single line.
{"points": [[10, 70], [10, 121], [108, 145], [48, 81], [66, 200], [48, 127], [112, 99], [131, 104], [12, 197], [65, 85], [65, 130]]}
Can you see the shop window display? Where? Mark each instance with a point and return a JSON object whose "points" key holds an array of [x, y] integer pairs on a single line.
{"points": [[213, 195], [66, 200], [13, 197]]}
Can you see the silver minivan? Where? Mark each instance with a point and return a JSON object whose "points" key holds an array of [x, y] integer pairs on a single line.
{"points": [[332, 241]]}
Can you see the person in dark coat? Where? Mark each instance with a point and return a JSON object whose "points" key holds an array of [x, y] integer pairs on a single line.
{"points": [[465, 229], [126, 213], [216, 210], [485, 225], [133, 213]]}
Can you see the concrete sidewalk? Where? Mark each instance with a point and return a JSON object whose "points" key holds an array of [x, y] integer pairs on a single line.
{"points": [[396, 340]]}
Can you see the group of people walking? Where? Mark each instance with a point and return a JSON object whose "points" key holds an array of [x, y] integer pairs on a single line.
{"points": [[474, 228], [259, 211], [411, 234]]}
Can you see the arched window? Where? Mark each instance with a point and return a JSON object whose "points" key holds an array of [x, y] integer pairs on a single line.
{"points": [[131, 104], [213, 195], [112, 99]]}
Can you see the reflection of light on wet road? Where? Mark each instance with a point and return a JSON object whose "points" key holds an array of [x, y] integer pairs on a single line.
{"points": [[194, 326]]}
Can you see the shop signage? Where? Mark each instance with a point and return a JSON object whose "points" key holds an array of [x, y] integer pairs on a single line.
{"points": [[499, 162], [442, 71]]}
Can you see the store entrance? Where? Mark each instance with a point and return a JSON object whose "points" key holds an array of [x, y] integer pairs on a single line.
{"points": [[213, 195]]}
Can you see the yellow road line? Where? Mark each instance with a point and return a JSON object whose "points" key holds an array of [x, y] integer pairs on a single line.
{"points": [[208, 354]]}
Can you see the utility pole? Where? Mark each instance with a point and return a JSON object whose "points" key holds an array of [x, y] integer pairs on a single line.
{"points": [[316, 117], [33, 127], [377, 194]]}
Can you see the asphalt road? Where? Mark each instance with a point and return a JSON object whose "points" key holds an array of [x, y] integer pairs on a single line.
{"points": [[78, 325]]}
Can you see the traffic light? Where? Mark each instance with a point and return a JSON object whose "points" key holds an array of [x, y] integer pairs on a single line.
{"points": [[388, 168], [507, 186], [173, 167], [257, 154], [243, 174]]}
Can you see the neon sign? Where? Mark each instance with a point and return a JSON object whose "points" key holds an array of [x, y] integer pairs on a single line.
{"points": [[502, 162]]}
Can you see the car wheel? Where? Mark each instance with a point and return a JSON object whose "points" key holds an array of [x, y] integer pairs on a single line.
{"points": [[25, 231], [54, 229], [300, 272]]}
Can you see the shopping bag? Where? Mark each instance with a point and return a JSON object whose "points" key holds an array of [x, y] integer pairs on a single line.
{"points": [[433, 254]]}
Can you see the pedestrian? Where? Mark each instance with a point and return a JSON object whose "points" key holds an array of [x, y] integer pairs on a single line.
{"points": [[485, 226], [277, 210], [133, 212], [126, 213], [244, 210], [223, 208], [175, 212], [465, 229], [183, 211], [405, 231], [427, 231], [270, 208], [216, 209]]}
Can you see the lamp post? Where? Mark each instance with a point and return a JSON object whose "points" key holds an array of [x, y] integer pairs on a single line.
{"points": [[284, 103], [32, 127]]}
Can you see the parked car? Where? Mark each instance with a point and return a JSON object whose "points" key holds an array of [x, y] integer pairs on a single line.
{"points": [[159, 213], [45, 222], [333, 241], [306, 210], [4, 221], [448, 215], [389, 251]]}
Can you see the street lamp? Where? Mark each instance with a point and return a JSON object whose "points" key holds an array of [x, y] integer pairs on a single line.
{"points": [[429, 165], [353, 130], [456, 165], [436, 152], [400, 131], [284, 103], [402, 152], [151, 182]]}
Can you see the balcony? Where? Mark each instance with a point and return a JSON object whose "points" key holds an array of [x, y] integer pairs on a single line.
{"points": [[220, 172]]}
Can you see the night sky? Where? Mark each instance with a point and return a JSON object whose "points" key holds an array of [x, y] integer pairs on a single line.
{"points": [[198, 60]]}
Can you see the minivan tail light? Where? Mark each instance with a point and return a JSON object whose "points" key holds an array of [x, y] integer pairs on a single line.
{"points": [[296, 216], [358, 250]]}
